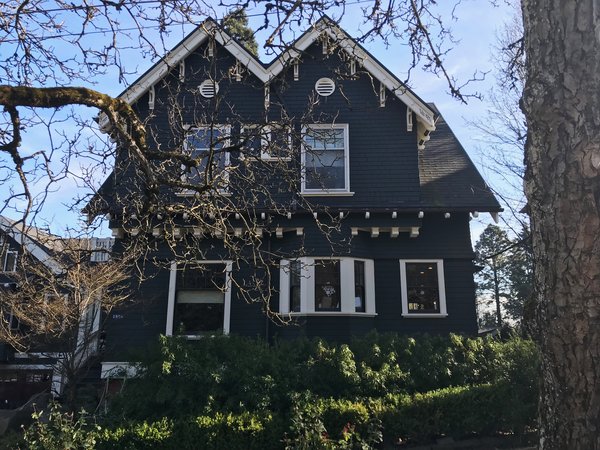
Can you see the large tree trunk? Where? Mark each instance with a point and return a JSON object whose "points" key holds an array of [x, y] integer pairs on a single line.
{"points": [[562, 105]]}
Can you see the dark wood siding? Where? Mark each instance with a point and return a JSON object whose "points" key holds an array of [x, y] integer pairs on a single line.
{"points": [[448, 239]]}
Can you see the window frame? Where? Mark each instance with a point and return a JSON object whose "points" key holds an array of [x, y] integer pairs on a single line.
{"points": [[303, 152], [4, 261], [441, 289], [307, 287], [226, 142], [173, 295], [267, 130]]}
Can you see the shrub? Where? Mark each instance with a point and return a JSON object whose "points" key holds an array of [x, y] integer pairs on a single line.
{"points": [[222, 431], [332, 424], [457, 412], [58, 430], [414, 384]]}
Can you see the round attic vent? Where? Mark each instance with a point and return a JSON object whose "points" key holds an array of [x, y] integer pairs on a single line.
{"points": [[325, 87], [208, 88]]}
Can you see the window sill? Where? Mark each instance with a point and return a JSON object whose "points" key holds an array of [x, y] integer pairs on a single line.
{"points": [[425, 316], [275, 159], [330, 314], [197, 337], [327, 194]]}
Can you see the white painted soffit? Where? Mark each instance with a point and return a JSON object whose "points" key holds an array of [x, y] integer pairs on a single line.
{"points": [[340, 37], [325, 25], [185, 48]]}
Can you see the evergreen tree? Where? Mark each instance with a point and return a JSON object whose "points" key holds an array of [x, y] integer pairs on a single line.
{"points": [[521, 277], [506, 278], [236, 24], [493, 280]]}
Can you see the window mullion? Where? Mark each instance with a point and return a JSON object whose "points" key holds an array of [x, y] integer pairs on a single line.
{"points": [[307, 286], [370, 286], [347, 284], [284, 286]]}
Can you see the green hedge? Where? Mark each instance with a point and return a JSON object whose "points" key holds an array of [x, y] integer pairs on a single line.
{"points": [[239, 393], [221, 431], [457, 412], [236, 374]]}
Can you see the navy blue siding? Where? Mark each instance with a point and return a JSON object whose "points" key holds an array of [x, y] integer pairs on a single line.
{"points": [[384, 176], [140, 323]]}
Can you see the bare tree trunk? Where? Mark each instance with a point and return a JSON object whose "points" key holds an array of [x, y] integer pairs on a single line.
{"points": [[562, 104]]}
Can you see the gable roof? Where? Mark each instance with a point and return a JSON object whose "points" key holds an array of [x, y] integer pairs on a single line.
{"points": [[209, 28], [43, 246], [449, 179]]}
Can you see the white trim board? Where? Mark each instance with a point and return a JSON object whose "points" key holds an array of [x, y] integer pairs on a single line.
{"points": [[120, 369], [210, 28]]}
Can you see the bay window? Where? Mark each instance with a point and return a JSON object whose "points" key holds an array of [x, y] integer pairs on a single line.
{"points": [[327, 286]]}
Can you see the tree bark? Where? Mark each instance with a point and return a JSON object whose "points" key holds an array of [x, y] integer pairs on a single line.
{"points": [[561, 101]]}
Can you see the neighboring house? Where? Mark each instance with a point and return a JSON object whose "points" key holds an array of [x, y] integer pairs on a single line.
{"points": [[369, 152], [23, 374]]}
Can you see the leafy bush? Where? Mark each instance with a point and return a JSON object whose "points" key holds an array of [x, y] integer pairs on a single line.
{"points": [[457, 412], [332, 424], [235, 391], [57, 430], [221, 431]]}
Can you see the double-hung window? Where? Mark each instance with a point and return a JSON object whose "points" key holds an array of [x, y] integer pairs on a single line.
{"points": [[199, 299], [423, 288], [325, 159], [207, 146], [327, 286]]}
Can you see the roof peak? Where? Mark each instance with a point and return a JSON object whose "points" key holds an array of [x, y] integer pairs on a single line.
{"points": [[210, 28]]}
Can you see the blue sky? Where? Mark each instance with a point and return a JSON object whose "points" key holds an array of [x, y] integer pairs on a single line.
{"points": [[474, 31]]}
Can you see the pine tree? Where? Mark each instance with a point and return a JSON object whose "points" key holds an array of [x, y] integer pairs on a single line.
{"points": [[493, 279], [236, 24]]}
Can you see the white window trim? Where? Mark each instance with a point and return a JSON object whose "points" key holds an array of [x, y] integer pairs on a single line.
{"points": [[346, 189], [264, 142], [5, 261], [173, 291], [226, 130], [119, 370], [11, 316], [441, 288], [307, 287]]}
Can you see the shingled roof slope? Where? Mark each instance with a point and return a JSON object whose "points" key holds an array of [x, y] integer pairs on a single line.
{"points": [[449, 179]]}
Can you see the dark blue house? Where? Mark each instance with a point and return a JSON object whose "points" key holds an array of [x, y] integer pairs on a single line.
{"points": [[356, 191]]}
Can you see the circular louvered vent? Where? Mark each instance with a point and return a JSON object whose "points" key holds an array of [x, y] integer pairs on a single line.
{"points": [[325, 87], [208, 88]]}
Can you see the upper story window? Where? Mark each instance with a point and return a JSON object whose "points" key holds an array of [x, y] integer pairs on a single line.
{"points": [[325, 159], [327, 286], [271, 142], [207, 146], [8, 257], [199, 299], [423, 289]]}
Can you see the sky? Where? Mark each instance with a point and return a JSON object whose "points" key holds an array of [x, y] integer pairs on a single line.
{"points": [[474, 31]]}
